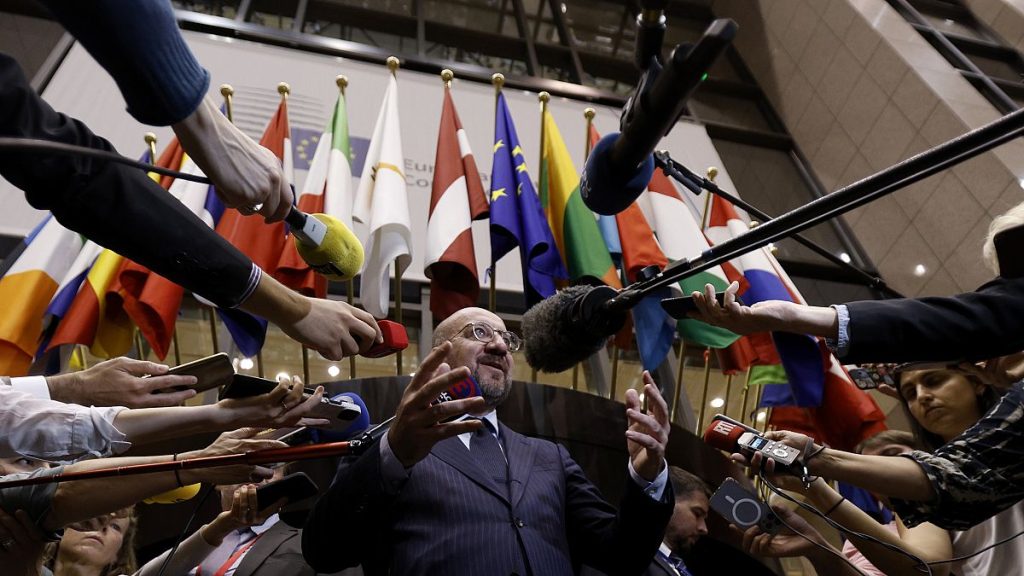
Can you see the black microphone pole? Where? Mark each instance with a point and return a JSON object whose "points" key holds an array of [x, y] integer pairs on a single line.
{"points": [[695, 182], [907, 172]]}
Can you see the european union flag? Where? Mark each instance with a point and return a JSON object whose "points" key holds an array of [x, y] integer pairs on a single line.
{"points": [[517, 218]]}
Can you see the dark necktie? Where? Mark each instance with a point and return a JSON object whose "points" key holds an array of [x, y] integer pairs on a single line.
{"points": [[485, 449]]}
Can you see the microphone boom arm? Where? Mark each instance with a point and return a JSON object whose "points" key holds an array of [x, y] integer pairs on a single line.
{"points": [[694, 182], [914, 169]]}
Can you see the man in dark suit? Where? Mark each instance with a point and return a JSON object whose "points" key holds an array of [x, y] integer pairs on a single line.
{"points": [[685, 527], [471, 496]]}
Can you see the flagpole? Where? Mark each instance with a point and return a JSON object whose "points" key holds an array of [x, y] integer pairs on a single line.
{"points": [[81, 353], [679, 380], [150, 139], [393, 63], [746, 391], [704, 396], [342, 82], [728, 388], [712, 173], [543, 97], [229, 107], [588, 114], [285, 90], [498, 80]]}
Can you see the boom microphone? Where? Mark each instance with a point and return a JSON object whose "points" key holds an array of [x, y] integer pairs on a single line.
{"points": [[326, 244], [621, 164], [570, 326]]}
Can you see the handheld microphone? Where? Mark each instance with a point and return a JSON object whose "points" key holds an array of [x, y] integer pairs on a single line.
{"points": [[395, 340], [729, 435], [620, 166], [570, 326], [317, 435], [326, 244]]}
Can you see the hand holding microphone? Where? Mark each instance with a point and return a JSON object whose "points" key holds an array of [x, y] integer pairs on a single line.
{"points": [[773, 451]]}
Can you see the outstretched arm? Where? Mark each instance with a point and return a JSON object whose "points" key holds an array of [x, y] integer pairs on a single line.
{"points": [[773, 315]]}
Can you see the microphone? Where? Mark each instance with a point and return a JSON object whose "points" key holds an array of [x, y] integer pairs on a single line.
{"points": [[621, 164], [570, 326], [466, 388], [326, 244], [731, 436], [357, 426], [395, 340]]}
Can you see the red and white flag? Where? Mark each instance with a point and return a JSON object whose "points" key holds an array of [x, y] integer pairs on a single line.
{"points": [[456, 199]]}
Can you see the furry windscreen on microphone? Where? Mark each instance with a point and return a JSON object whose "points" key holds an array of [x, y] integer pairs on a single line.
{"points": [[556, 336], [339, 257]]}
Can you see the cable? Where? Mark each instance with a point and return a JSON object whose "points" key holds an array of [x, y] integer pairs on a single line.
{"points": [[918, 562], [972, 554], [184, 533], [75, 150]]}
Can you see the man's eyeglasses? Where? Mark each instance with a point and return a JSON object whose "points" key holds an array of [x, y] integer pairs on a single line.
{"points": [[482, 332]]}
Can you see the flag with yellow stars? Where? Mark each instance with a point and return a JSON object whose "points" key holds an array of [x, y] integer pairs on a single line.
{"points": [[517, 218]]}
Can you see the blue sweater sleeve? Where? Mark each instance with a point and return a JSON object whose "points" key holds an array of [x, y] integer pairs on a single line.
{"points": [[139, 44]]}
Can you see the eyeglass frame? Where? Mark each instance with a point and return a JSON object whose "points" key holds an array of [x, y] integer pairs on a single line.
{"points": [[505, 335]]}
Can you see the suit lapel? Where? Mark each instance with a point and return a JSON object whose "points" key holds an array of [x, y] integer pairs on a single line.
{"points": [[662, 563], [454, 452], [520, 460], [267, 543]]}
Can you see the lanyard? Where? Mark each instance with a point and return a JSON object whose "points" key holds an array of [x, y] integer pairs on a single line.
{"points": [[234, 558]]}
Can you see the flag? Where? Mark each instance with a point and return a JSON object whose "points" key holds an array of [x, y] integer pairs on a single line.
{"points": [[26, 289], [572, 224], [382, 204], [66, 292], [799, 353], [681, 237], [846, 415], [456, 199], [517, 218], [107, 330], [329, 181], [261, 242], [655, 329], [151, 300]]}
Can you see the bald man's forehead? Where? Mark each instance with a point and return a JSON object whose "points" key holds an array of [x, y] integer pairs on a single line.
{"points": [[468, 315]]}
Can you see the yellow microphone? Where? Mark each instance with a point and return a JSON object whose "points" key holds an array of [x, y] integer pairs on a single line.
{"points": [[174, 496], [326, 244]]}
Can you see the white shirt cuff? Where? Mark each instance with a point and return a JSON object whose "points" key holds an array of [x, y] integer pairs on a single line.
{"points": [[34, 385], [656, 488]]}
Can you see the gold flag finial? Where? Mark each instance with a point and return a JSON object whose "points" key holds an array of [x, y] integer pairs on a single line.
{"points": [[589, 113], [712, 173], [284, 89], [498, 79], [544, 97], [393, 64], [226, 90], [342, 81], [446, 77], [150, 138]]}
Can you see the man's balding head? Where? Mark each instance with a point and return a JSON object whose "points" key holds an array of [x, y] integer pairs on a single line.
{"points": [[490, 362]]}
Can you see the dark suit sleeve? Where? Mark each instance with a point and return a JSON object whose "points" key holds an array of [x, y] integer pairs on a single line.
{"points": [[620, 544], [348, 524], [972, 326], [116, 206]]}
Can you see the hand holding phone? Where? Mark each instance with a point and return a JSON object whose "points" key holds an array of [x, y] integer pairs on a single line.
{"points": [[743, 508], [293, 487]]}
